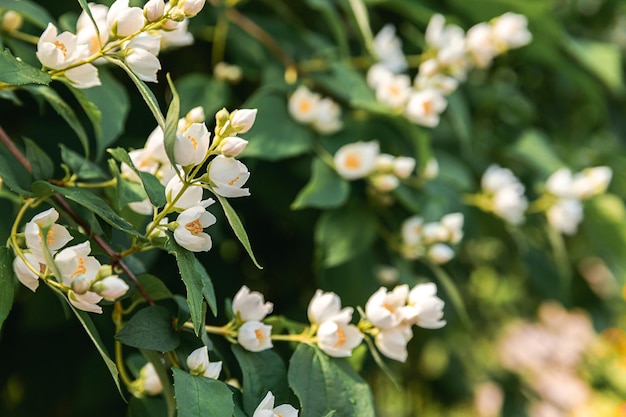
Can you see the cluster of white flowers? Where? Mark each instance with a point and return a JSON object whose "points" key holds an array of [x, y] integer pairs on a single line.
{"points": [[250, 308], [335, 335], [392, 313], [431, 240], [503, 194], [81, 276], [449, 55], [567, 190], [323, 114], [266, 408], [547, 355], [364, 160], [132, 33], [192, 147]]}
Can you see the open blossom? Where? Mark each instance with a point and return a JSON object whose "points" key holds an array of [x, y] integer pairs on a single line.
{"points": [[388, 48], [228, 175], [124, 20], [141, 56], [255, 336], [356, 160], [481, 44], [192, 145], [592, 181], [394, 91], [86, 33], [56, 237], [110, 288], [507, 193], [511, 30], [266, 408], [78, 270], [565, 215], [86, 302], [424, 107], [392, 342], [327, 306], [424, 308], [191, 197], [190, 232], [199, 364], [384, 309], [338, 338], [303, 105], [328, 117], [250, 305], [24, 274]]}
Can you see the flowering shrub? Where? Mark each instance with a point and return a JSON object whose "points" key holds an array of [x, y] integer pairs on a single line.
{"points": [[167, 205]]}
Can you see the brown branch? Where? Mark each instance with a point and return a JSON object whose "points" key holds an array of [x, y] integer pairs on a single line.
{"points": [[115, 257]]}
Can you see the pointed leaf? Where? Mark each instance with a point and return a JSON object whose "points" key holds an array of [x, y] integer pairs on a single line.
{"points": [[200, 396], [154, 189], [325, 189], [153, 286], [16, 72], [208, 291], [7, 283], [150, 328], [326, 384], [237, 226], [84, 168], [40, 162]]}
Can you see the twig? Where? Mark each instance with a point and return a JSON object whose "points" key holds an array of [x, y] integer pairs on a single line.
{"points": [[116, 259]]}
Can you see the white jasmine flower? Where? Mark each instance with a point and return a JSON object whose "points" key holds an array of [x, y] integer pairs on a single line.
{"points": [[592, 181], [327, 306], [394, 91], [242, 120], [507, 193], [153, 10], [424, 308], [190, 7], [249, 305], [412, 230], [388, 48], [424, 107], [561, 183], [24, 274], [384, 162], [356, 160], [57, 235], [189, 234], [176, 34], [266, 408], [338, 339], [403, 166], [191, 197], [87, 301], [377, 75], [434, 232], [449, 43], [440, 253], [232, 146], [86, 33], [255, 336], [141, 56], [192, 145], [228, 175], [392, 342], [385, 182], [453, 223], [199, 364], [327, 117], [124, 20], [565, 215], [143, 207], [511, 30], [302, 105], [78, 270], [150, 381], [385, 309], [481, 45], [110, 288]]}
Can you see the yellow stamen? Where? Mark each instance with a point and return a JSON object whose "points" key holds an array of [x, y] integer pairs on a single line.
{"points": [[304, 106], [62, 47], [428, 107], [193, 141], [387, 307], [352, 161], [259, 334], [341, 338], [80, 268], [234, 180], [194, 227]]}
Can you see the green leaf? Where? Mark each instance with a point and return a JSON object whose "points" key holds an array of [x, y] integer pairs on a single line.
{"points": [[64, 110], [106, 106], [153, 286], [94, 335], [343, 233], [146, 407], [275, 134], [154, 189], [84, 168], [91, 202], [325, 189], [31, 12], [14, 176], [334, 20], [193, 281], [171, 123], [326, 384], [16, 72], [7, 283], [150, 328], [40, 162], [207, 286], [602, 59], [125, 191], [145, 92], [262, 372], [200, 396], [534, 149], [237, 226]]}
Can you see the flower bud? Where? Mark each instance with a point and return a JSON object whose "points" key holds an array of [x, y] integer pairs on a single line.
{"points": [[110, 288], [195, 115], [242, 120], [222, 119], [227, 72], [103, 272], [385, 182], [11, 21], [403, 166], [232, 146], [440, 253], [191, 7], [153, 10], [177, 15]]}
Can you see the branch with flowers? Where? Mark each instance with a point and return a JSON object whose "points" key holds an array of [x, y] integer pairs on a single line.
{"points": [[381, 168]]}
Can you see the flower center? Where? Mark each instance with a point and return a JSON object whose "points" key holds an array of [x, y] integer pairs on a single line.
{"points": [[61, 46], [234, 180], [428, 107], [194, 227], [194, 141], [259, 334], [80, 268], [341, 338], [353, 161], [387, 307], [304, 106]]}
